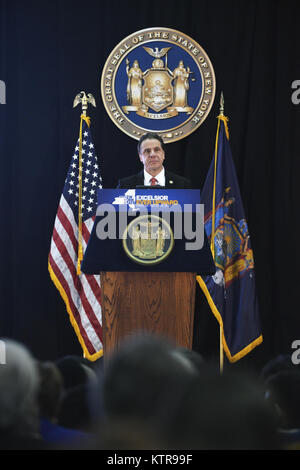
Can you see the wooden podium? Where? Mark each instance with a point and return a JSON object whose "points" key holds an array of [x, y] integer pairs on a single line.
{"points": [[161, 303]]}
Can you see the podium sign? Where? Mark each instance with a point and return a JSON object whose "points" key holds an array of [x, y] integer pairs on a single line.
{"points": [[158, 230]]}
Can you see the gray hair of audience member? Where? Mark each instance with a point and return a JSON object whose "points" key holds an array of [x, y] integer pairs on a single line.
{"points": [[19, 383]]}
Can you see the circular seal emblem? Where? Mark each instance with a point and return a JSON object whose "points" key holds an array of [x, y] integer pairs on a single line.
{"points": [[158, 80], [148, 239]]}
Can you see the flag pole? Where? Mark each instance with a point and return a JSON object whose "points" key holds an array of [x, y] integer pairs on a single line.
{"points": [[84, 100], [221, 327]]}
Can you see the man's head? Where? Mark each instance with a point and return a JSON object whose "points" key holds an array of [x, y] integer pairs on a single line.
{"points": [[151, 152]]}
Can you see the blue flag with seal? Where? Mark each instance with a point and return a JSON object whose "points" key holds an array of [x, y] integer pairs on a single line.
{"points": [[231, 291]]}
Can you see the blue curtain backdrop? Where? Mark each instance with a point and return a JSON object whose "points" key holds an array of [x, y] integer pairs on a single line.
{"points": [[50, 51]]}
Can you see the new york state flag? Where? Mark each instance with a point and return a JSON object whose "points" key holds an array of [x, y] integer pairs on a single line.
{"points": [[231, 291]]}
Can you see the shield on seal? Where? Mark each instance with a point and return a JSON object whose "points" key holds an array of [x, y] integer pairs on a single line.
{"points": [[157, 89]]}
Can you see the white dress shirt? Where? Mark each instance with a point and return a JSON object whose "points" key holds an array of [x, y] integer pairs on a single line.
{"points": [[161, 178]]}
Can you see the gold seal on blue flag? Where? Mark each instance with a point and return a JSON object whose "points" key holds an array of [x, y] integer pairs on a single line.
{"points": [[158, 80]]}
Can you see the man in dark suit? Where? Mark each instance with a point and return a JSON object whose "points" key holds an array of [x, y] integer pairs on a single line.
{"points": [[151, 152]]}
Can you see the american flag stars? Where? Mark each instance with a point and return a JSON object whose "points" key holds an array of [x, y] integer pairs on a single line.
{"points": [[91, 178]]}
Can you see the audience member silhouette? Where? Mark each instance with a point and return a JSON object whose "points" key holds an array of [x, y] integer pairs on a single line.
{"points": [[75, 371], [276, 364], [283, 392], [19, 411], [78, 377], [50, 399], [138, 383], [222, 412], [154, 399]]}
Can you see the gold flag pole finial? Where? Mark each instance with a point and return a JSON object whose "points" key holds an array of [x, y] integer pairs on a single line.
{"points": [[84, 100], [222, 104], [222, 115]]}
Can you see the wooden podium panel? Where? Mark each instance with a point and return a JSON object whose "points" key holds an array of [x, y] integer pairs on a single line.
{"points": [[161, 303]]}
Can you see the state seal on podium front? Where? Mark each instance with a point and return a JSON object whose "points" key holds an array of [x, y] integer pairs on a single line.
{"points": [[148, 239], [158, 80]]}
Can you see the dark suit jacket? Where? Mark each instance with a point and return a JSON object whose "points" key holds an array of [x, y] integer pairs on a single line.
{"points": [[173, 181]]}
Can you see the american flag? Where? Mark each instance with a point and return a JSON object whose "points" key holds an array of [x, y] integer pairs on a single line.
{"points": [[81, 293]]}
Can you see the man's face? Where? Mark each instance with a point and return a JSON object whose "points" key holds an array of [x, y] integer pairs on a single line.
{"points": [[152, 155]]}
